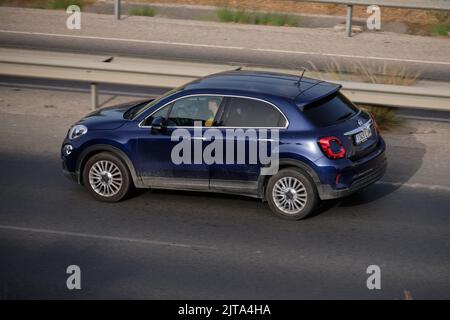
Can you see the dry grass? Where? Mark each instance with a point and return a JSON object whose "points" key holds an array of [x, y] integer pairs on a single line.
{"points": [[370, 73], [46, 4], [384, 116], [367, 72], [422, 17]]}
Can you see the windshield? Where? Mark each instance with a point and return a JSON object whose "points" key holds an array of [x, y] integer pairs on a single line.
{"points": [[136, 110]]}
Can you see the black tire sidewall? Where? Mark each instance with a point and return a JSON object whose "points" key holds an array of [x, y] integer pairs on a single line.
{"points": [[311, 191], [126, 181]]}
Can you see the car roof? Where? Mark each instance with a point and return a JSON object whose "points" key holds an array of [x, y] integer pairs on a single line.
{"points": [[301, 91]]}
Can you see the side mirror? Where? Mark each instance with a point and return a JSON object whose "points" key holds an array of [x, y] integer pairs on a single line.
{"points": [[158, 124]]}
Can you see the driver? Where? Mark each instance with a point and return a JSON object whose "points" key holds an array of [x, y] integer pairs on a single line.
{"points": [[213, 107]]}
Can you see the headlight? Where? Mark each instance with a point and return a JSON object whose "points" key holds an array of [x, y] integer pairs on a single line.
{"points": [[77, 131]]}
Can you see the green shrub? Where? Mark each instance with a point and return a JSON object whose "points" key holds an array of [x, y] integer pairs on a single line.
{"points": [[441, 29], [142, 11], [242, 16], [225, 15]]}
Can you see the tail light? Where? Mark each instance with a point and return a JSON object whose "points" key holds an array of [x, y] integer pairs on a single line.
{"points": [[375, 125], [332, 147]]}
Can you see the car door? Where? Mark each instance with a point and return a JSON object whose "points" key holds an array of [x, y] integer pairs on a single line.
{"points": [[167, 159], [242, 119]]}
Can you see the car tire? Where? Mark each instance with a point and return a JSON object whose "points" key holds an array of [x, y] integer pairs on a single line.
{"points": [[106, 177], [291, 194]]}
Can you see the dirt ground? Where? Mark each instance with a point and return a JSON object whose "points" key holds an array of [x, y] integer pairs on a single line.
{"points": [[389, 14], [419, 22]]}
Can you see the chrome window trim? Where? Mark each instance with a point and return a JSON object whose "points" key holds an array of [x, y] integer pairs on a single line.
{"points": [[360, 128], [218, 95]]}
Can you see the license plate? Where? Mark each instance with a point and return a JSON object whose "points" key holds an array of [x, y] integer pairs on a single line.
{"points": [[363, 136]]}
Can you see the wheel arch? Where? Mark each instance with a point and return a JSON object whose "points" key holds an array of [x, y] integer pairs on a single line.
{"points": [[288, 163], [90, 151]]}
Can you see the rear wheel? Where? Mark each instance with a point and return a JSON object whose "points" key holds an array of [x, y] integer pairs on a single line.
{"points": [[106, 177], [291, 194]]}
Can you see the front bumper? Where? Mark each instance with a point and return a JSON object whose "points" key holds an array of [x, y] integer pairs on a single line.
{"points": [[73, 176]]}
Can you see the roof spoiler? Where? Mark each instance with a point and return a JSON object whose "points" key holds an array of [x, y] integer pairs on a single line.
{"points": [[326, 93]]}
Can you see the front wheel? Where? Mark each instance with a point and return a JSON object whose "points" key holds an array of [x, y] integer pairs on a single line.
{"points": [[291, 194], [106, 177]]}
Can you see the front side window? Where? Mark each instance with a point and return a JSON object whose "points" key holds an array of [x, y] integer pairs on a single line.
{"points": [[163, 112], [250, 113], [186, 111]]}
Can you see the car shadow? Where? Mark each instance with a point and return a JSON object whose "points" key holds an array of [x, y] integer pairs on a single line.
{"points": [[404, 160], [405, 156]]}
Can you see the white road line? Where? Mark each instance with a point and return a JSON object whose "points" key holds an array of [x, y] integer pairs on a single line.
{"points": [[100, 237], [354, 56], [120, 39], [416, 186], [229, 47]]}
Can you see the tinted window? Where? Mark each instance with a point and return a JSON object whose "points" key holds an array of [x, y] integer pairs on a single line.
{"points": [[153, 102], [185, 112], [242, 112], [160, 113], [330, 110]]}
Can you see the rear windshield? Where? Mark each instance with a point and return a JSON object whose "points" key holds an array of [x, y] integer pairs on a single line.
{"points": [[330, 110]]}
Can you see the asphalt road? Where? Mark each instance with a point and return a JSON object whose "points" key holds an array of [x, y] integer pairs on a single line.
{"points": [[182, 245], [284, 60], [279, 47]]}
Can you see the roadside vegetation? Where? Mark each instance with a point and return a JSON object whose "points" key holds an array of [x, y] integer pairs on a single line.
{"points": [[63, 4], [259, 18], [442, 27], [142, 11], [384, 116], [370, 73], [366, 72], [47, 4]]}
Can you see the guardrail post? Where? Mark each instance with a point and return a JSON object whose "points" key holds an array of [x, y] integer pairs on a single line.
{"points": [[117, 9], [349, 20], [94, 96]]}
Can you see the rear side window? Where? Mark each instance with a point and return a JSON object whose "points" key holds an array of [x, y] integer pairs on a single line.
{"points": [[330, 110], [243, 112]]}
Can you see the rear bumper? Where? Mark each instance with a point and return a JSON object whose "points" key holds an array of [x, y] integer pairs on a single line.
{"points": [[365, 174], [327, 192]]}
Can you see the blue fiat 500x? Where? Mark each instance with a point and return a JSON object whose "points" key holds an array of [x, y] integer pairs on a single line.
{"points": [[326, 147]]}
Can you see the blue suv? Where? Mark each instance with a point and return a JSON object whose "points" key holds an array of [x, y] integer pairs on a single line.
{"points": [[326, 147]]}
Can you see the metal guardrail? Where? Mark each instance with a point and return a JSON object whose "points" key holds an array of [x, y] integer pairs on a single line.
{"points": [[406, 4], [96, 69]]}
